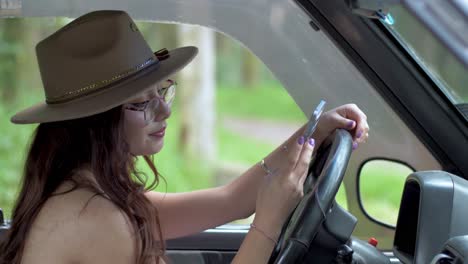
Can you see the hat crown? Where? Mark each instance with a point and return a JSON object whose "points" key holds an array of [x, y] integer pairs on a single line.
{"points": [[89, 53]]}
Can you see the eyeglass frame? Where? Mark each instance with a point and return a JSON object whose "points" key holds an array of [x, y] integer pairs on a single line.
{"points": [[153, 104]]}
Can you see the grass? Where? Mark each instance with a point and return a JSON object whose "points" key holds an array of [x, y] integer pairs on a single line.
{"points": [[381, 187], [237, 149], [267, 101]]}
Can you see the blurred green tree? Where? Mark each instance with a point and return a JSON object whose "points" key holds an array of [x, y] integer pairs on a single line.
{"points": [[197, 138], [250, 69], [11, 46]]}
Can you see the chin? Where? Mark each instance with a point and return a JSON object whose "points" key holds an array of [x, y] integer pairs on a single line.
{"points": [[155, 147], [148, 147]]}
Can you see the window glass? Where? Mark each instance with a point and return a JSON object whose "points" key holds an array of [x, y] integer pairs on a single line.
{"points": [[249, 115], [381, 184], [447, 72]]}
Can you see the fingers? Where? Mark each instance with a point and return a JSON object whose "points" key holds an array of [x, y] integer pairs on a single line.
{"points": [[295, 152], [357, 122], [292, 150], [361, 133], [303, 162], [362, 128], [345, 123]]}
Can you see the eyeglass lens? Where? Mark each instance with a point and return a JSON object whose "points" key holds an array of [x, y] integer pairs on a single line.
{"points": [[167, 95]]}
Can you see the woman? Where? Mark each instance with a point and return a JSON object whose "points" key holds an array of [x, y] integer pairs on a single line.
{"points": [[107, 100]]}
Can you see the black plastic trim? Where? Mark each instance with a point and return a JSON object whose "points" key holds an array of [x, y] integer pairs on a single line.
{"points": [[219, 239], [427, 79], [392, 70]]}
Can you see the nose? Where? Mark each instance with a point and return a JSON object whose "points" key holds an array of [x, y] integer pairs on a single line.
{"points": [[163, 111]]}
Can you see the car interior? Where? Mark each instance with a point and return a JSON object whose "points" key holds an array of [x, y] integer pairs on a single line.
{"points": [[344, 51]]}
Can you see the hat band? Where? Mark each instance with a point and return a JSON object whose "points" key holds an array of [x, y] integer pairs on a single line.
{"points": [[96, 86]]}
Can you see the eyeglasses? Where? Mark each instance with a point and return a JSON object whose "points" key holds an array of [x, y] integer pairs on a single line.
{"points": [[150, 108]]}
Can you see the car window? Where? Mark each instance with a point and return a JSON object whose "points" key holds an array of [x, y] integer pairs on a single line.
{"points": [[447, 72], [249, 115]]}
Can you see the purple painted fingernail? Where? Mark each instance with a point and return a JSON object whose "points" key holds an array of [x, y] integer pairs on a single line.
{"points": [[350, 124], [301, 140], [359, 134], [311, 142], [355, 145]]}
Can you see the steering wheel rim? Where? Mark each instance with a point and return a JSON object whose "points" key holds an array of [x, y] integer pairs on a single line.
{"points": [[331, 162]]}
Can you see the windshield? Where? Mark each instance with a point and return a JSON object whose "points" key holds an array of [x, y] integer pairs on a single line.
{"points": [[446, 71]]}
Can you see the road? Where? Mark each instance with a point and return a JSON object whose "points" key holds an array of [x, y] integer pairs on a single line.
{"points": [[272, 132]]}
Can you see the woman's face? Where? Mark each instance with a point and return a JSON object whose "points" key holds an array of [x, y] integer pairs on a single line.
{"points": [[146, 137]]}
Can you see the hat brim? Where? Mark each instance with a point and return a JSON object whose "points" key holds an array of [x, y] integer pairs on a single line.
{"points": [[110, 97]]}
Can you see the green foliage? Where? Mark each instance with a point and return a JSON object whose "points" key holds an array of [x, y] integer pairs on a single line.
{"points": [[267, 100], [13, 147], [235, 148], [381, 187]]}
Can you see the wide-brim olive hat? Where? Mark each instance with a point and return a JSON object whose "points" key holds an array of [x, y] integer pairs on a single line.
{"points": [[95, 63]]}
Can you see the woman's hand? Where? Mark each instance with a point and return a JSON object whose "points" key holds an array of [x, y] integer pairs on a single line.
{"points": [[279, 191], [348, 117], [282, 187], [251, 193]]}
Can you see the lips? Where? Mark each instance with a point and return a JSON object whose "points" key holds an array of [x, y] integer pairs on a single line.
{"points": [[159, 133]]}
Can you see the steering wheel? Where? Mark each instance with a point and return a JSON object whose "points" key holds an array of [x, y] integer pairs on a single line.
{"points": [[324, 177]]}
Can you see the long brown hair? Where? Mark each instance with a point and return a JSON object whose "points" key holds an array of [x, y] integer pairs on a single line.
{"points": [[57, 151]]}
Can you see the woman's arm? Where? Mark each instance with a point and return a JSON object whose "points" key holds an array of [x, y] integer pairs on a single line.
{"points": [[183, 214], [255, 248], [188, 213]]}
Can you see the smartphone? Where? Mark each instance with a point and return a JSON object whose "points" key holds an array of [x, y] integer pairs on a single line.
{"points": [[313, 120]]}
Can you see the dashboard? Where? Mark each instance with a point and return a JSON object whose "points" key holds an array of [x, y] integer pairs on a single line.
{"points": [[433, 210]]}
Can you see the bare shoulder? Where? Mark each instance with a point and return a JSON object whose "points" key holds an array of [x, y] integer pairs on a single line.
{"points": [[80, 227]]}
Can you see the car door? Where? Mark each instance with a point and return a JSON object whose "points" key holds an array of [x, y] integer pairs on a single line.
{"points": [[405, 135], [315, 50]]}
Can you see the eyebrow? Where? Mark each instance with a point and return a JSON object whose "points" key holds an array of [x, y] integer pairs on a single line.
{"points": [[147, 95]]}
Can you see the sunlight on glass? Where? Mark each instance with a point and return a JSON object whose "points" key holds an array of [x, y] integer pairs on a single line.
{"points": [[388, 19]]}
